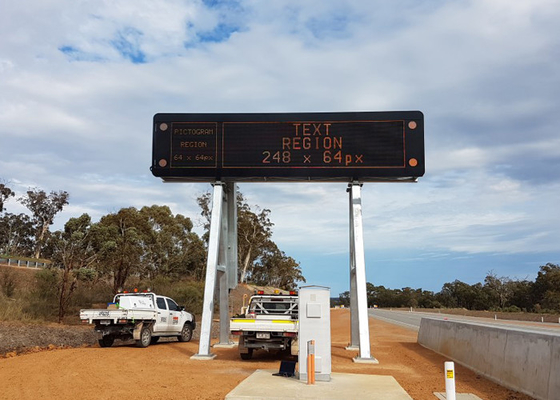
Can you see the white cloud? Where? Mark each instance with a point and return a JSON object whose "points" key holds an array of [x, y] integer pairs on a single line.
{"points": [[80, 82]]}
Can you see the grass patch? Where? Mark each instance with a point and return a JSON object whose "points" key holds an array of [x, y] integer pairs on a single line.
{"points": [[13, 310]]}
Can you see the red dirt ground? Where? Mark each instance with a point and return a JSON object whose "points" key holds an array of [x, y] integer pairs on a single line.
{"points": [[165, 370]]}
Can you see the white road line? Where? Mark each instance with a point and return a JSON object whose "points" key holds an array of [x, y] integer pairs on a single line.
{"points": [[392, 321]]}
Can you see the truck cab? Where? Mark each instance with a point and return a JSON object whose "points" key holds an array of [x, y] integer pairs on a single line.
{"points": [[269, 322], [279, 306], [169, 315]]}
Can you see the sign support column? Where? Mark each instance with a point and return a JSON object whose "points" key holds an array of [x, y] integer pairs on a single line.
{"points": [[220, 264], [228, 251], [358, 293]]}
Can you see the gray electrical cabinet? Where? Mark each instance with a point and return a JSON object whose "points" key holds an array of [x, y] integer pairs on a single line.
{"points": [[315, 324]]}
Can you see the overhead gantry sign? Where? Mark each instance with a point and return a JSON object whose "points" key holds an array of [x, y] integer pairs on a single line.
{"points": [[223, 149]]}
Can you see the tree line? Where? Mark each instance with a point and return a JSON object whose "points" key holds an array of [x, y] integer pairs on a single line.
{"points": [[143, 244], [495, 294]]}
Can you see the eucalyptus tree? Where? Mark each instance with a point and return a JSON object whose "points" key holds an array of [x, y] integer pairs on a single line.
{"points": [[172, 248], [499, 289], [5, 194], [119, 240], [16, 235], [44, 208], [254, 232], [546, 289], [275, 268], [73, 253], [462, 295]]}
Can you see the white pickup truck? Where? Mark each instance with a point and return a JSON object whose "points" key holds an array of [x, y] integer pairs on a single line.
{"points": [[144, 317], [270, 322]]}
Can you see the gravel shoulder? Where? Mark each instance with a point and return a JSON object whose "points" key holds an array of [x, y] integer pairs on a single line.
{"points": [[20, 338]]}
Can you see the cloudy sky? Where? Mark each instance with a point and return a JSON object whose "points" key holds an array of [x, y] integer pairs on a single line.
{"points": [[80, 82]]}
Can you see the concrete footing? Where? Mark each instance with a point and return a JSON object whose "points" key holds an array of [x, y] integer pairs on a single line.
{"points": [[458, 396], [225, 345], [363, 360], [203, 357]]}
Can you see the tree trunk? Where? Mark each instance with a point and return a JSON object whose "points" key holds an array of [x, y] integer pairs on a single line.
{"points": [[245, 266], [66, 290], [61, 310], [40, 239]]}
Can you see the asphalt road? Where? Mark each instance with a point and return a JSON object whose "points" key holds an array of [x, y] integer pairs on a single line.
{"points": [[411, 320]]}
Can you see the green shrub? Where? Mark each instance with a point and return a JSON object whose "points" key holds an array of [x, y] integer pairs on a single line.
{"points": [[512, 309], [189, 294], [8, 282], [88, 295], [160, 285], [42, 301], [12, 310], [33, 296], [186, 293]]}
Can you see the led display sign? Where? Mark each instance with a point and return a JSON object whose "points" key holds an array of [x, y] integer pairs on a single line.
{"points": [[351, 146]]}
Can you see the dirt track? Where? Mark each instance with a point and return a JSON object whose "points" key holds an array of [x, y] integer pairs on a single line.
{"points": [[165, 371]]}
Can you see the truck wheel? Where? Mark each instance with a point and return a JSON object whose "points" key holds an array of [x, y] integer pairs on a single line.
{"points": [[186, 333], [106, 341], [145, 337], [248, 355]]}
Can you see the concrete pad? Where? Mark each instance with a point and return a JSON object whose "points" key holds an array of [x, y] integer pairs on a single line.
{"points": [[360, 360], [458, 396], [203, 357], [224, 345], [263, 385]]}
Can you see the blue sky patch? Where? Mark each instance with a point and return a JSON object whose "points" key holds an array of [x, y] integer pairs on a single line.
{"points": [[75, 54], [333, 26], [220, 33], [127, 43], [211, 3], [220, 3], [70, 51]]}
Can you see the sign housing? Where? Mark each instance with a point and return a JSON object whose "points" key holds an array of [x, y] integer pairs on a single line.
{"points": [[341, 147]]}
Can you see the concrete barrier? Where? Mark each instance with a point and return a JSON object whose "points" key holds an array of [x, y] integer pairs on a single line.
{"points": [[527, 362]]}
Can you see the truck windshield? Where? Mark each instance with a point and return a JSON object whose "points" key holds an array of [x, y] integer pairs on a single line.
{"points": [[273, 307]]}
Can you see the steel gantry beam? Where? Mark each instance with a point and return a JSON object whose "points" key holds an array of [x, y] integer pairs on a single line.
{"points": [[358, 295], [221, 266]]}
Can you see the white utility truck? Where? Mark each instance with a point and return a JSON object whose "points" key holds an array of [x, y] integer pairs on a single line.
{"points": [[269, 322], [144, 317]]}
